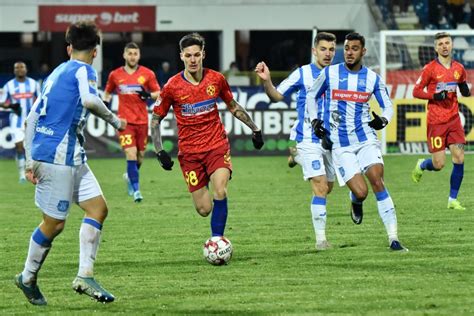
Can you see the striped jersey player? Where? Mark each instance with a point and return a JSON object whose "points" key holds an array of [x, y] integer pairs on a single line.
{"points": [[21, 90], [347, 88]]}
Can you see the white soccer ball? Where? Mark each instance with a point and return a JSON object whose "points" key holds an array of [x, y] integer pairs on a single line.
{"points": [[217, 250]]}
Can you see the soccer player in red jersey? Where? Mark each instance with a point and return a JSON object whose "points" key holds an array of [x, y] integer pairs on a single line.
{"points": [[134, 84], [442, 77], [204, 151]]}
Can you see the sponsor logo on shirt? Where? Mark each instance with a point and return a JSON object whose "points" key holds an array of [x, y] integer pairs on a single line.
{"points": [[24, 95], [129, 88], [44, 130], [198, 108], [351, 96]]}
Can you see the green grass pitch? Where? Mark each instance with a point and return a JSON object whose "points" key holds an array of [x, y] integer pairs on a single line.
{"points": [[151, 259]]}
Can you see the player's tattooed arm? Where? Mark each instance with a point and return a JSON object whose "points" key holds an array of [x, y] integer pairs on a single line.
{"points": [[155, 132], [242, 115]]}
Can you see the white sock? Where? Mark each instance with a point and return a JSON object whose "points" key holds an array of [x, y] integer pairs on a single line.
{"points": [[318, 212], [37, 252], [389, 217], [21, 167], [89, 238]]}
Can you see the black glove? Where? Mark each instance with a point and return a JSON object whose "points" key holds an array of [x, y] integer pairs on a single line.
{"points": [[257, 139], [464, 88], [107, 104], [16, 108], [378, 122], [318, 128], [165, 160], [326, 143], [440, 95], [144, 94]]}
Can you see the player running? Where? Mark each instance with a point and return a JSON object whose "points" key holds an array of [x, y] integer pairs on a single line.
{"points": [[134, 84], [21, 90], [442, 77], [315, 161], [56, 163], [348, 88], [204, 151]]}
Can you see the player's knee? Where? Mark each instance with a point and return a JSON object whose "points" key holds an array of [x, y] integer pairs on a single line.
{"points": [[438, 164], [203, 211]]}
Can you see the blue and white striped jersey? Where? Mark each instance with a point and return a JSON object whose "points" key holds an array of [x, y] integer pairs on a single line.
{"points": [[25, 93], [300, 81], [58, 136], [347, 110]]}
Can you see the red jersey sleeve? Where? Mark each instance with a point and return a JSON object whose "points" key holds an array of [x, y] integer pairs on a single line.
{"points": [[110, 86], [225, 93], [152, 83], [163, 103], [422, 83]]}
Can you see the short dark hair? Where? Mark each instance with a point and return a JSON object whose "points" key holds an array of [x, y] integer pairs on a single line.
{"points": [[83, 35], [441, 35], [190, 40], [354, 36], [324, 36], [132, 45]]}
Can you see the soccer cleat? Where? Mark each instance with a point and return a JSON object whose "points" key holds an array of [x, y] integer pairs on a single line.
{"points": [[417, 172], [357, 213], [129, 184], [322, 245], [291, 158], [137, 196], [455, 205], [32, 293], [93, 289], [396, 246]]}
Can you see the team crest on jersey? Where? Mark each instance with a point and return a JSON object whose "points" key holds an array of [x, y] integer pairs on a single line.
{"points": [[211, 90], [63, 205], [141, 80], [361, 84], [457, 75]]}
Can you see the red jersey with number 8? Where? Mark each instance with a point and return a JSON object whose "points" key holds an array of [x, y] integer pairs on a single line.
{"points": [[436, 78], [195, 106]]}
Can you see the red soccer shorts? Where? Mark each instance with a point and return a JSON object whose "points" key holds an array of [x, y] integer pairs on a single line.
{"points": [[440, 136], [198, 168], [134, 136]]}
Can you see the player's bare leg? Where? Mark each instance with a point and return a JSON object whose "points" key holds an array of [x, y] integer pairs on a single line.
{"points": [[457, 174], [357, 195], [40, 244], [132, 176], [202, 201], [385, 205], [321, 188], [89, 235]]}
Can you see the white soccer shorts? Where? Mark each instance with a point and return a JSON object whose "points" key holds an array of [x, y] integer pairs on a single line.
{"points": [[357, 158], [315, 161], [58, 186]]}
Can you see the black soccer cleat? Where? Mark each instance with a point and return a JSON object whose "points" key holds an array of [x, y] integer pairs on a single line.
{"points": [[357, 213], [396, 246]]}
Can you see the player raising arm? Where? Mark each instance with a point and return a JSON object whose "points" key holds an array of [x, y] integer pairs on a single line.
{"points": [[348, 88], [56, 163], [204, 151], [134, 84], [315, 161], [442, 77]]}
